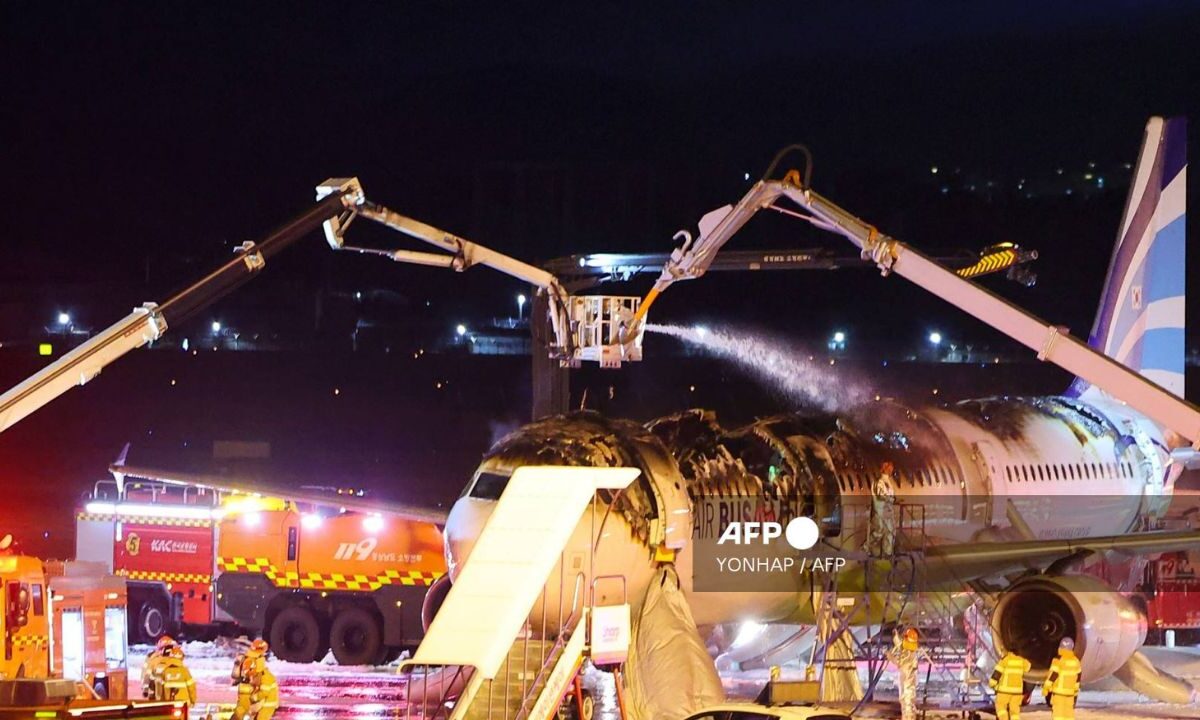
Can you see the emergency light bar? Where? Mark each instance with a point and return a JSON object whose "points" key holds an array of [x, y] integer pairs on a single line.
{"points": [[158, 511]]}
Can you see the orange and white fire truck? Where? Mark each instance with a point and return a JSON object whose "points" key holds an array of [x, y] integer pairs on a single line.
{"points": [[201, 559], [63, 620], [65, 650], [351, 582]]}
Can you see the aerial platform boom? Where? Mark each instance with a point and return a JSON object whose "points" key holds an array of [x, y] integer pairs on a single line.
{"points": [[1052, 342], [591, 328], [150, 321]]}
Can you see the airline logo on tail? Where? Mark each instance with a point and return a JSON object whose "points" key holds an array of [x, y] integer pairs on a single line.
{"points": [[1141, 318]]}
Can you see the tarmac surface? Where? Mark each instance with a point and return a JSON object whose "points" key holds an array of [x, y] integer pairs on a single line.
{"points": [[327, 691]]}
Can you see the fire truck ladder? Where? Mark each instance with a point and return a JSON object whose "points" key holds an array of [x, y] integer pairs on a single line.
{"points": [[482, 657]]}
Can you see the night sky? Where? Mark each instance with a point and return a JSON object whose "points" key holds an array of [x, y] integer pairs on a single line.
{"points": [[142, 141]]}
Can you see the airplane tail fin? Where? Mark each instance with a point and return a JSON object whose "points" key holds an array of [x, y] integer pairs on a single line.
{"points": [[1140, 322]]}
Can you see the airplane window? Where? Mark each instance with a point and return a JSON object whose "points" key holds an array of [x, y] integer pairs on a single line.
{"points": [[1008, 472], [1041, 472], [489, 486]]}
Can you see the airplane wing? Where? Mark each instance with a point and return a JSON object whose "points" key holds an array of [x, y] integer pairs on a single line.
{"points": [[974, 560], [253, 485]]}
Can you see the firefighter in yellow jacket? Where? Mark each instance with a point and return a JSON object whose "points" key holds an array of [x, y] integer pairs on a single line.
{"points": [[1008, 680], [150, 669], [175, 681], [258, 693], [1062, 683]]}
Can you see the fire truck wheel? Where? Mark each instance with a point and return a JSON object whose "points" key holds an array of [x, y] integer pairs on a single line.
{"points": [[356, 638], [296, 635], [152, 620]]}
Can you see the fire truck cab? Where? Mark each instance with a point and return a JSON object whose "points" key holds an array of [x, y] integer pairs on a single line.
{"points": [[25, 621]]}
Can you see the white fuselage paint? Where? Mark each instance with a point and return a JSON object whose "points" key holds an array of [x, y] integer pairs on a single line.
{"points": [[1064, 483]]}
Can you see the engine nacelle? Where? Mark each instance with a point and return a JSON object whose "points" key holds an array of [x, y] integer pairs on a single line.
{"points": [[1036, 613]]}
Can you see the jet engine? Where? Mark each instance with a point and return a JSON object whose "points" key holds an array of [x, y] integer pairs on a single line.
{"points": [[1036, 613]]}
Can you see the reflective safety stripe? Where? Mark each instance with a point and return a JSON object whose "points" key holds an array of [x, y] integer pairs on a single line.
{"points": [[1012, 674], [165, 576], [327, 581], [1064, 675]]}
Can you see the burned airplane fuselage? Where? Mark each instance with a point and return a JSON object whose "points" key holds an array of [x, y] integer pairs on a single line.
{"points": [[1070, 470]]}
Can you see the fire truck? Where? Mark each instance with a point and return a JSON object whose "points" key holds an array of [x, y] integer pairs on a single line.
{"points": [[344, 574], [351, 582], [63, 620], [1172, 597], [162, 539], [63, 629]]}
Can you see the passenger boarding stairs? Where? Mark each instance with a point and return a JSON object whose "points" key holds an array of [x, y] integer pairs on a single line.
{"points": [[952, 673], [487, 654]]}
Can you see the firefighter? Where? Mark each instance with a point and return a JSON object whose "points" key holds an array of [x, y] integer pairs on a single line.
{"points": [[154, 660], [1062, 684], [258, 693], [175, 681], [1008, 680], [883, 513], [906, 652]]}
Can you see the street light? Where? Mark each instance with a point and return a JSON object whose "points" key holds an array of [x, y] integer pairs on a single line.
{"points": [[216, 327], [839, 337], [520, 306], [935, 338], [64, 318], [461, 330]]}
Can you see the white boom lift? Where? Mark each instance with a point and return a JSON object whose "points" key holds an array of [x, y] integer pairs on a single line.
{"points": [[585, 327], [150, 321], [1052, 342], [595, 328]]}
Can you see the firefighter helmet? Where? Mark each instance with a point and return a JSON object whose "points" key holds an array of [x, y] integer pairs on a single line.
{"points": [[1067, 643], [173, 651], [165, 642], [911, 638], [259, 646]]}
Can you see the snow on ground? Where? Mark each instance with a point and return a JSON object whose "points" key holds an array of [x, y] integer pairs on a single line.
{"points": [[307, 690], [326, 690]]}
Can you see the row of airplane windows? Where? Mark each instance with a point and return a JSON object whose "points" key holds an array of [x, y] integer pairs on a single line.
{"points": [[923, 477], [1068, 471], [941, 475]]}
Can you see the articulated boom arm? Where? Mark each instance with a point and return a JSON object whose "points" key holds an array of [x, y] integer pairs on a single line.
{"points": [[148, 322], [585, 328], [1052, 343]]}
